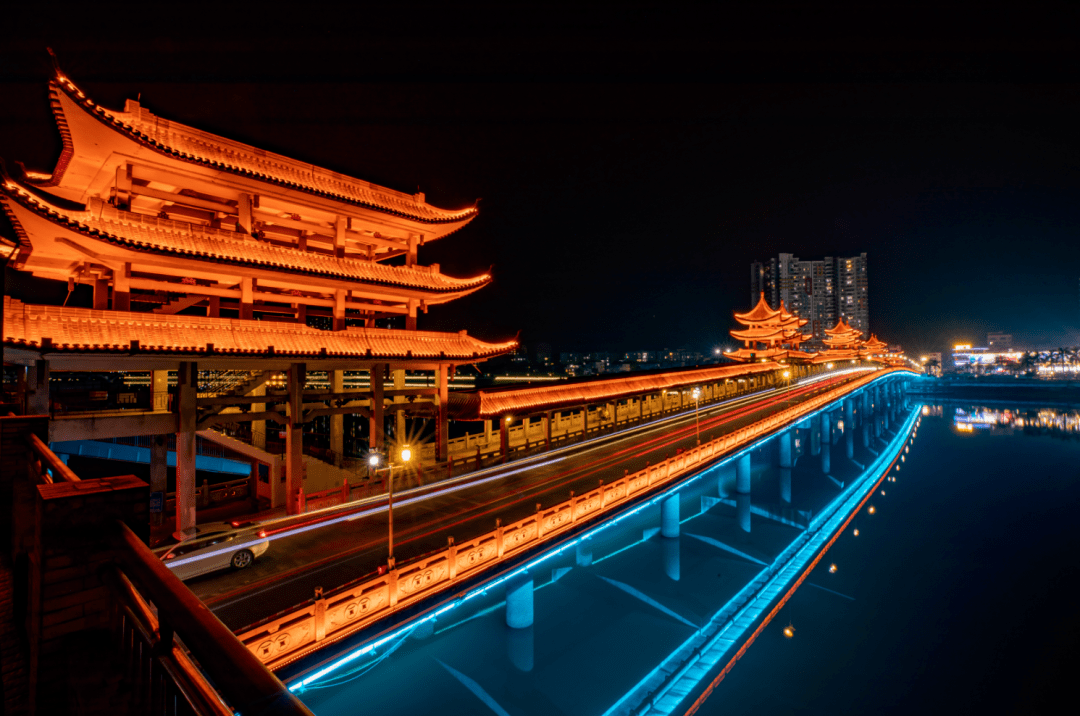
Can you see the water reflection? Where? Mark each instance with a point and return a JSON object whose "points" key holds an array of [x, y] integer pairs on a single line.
{"points": [[1026, 421]]}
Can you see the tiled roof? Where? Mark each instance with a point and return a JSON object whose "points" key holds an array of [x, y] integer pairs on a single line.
{"points": [[82, 330], [198, 147], [177, 238], [759, 313], [480, 405], [765, 333], [770, 354]]}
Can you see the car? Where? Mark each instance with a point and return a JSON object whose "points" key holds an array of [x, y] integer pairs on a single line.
{"points": [[213, 549]]}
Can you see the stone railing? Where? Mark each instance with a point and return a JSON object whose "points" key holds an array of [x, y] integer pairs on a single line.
{"points": [[335, 616]]}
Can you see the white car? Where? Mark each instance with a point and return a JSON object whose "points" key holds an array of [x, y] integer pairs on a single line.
{"points": [[209, 551]]}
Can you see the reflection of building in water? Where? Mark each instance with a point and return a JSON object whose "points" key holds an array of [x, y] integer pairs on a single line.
{"points": [[1045, 421]]}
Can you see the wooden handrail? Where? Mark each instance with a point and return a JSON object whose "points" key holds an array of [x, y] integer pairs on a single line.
{"points": [[57, 465], [247, 685]]}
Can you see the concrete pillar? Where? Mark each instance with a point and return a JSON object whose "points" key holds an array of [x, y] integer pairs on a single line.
{"points": [[669, 548], [826, 444], [815, 437], [547, 430], [785, 446], [294, 437], [159, 473], [727, 475], [187, 391], [376, 439], [37, 388], [337, 422], [442, 426], [785, 485], [849, 415], [849, 442], [519, 601], [866, 435], [742, 510], [487, 432], [742, 474], [669, 516]]}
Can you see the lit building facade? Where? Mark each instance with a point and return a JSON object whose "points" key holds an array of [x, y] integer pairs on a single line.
{"points": [[823, 292]]}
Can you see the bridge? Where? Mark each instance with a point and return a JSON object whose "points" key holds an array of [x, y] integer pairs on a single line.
{"points": [[326, 589]]}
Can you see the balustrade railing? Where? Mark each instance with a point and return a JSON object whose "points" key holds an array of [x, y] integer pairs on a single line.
{"points": [[286, 638]]}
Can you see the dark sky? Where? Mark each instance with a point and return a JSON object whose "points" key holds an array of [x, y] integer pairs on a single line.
{"points": [[633, 159]]}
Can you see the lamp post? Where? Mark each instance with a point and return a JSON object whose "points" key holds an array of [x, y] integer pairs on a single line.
{"points": [[406, 455], [697, 419]]}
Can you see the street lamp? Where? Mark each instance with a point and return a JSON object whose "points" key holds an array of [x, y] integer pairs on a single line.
{"points": [[697, 419], [406, 455]]}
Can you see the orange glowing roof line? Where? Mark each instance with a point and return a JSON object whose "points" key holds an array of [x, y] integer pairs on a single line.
{"points": [[523, 401], [83, 330], [197, 147], [763, 334], [163, 236], [759, 313]]}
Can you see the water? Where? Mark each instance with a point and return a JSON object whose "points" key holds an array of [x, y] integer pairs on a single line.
{"points": [[609, 610], [964, 584]]}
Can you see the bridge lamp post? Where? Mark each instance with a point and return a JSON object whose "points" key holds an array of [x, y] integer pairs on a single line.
{"points": [[697, 418], [406, 455]]}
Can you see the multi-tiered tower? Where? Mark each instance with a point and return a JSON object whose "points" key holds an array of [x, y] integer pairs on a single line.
{"points": [[199, 248]]}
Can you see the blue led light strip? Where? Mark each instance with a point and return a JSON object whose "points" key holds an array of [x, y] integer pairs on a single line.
{"points": [[665, 687]]}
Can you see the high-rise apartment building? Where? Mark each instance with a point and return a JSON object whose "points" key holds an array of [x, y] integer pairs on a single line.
{"points": [[822, 292]]}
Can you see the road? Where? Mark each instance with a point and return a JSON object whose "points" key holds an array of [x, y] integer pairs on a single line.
{"points": [[330, 551]]}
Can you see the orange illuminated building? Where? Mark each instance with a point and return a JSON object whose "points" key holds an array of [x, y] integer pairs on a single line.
{"points": [[200, 249], [770, 335], [842, 343]]}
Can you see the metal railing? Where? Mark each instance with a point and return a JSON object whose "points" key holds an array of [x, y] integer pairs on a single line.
{"points": [[179, 658]]}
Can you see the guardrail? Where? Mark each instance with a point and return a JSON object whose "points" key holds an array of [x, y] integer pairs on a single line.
{"points": [[330, 618], [170, 642]]}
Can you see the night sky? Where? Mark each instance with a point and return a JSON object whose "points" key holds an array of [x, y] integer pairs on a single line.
{"points": [[631, 161]]}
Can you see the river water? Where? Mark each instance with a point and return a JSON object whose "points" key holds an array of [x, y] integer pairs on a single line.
{"points": [[956, 594]]}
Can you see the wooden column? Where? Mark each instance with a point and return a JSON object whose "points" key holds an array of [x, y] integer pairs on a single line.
{"points": [[547, 430], [244, 212], [442, 428], [258, 427], [247, 298], [375, 435], [122, 288], [339, 310], [339, 236], [187, 391], [399, 415], [294, 436], [585, 421], [410, 320], [337, 422], [37, 388], [504, 438], [159, 473]]}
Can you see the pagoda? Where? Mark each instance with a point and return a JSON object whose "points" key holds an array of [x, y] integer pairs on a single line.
{"points": [[202, 249], [770, 335], [872, 348], [842, 342]]}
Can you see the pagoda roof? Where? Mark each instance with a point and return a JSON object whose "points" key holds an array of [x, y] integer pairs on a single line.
{"points": [[193, 146], [759, 313], [180, 239], [485, 404], [874, 344], [57, 329]]}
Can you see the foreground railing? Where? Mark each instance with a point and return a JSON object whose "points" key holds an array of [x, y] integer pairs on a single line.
{"points": [[180, 658], [330, 618]]}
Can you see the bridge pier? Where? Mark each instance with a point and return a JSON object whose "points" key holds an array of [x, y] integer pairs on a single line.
{"points": [[849, 415], [583, 553], [849, 443], [785, 485], [826, 443], [866, 435], [519, 601], [670, 550], [742, 491], [669, 516], [785, 446], [815, 437]]}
